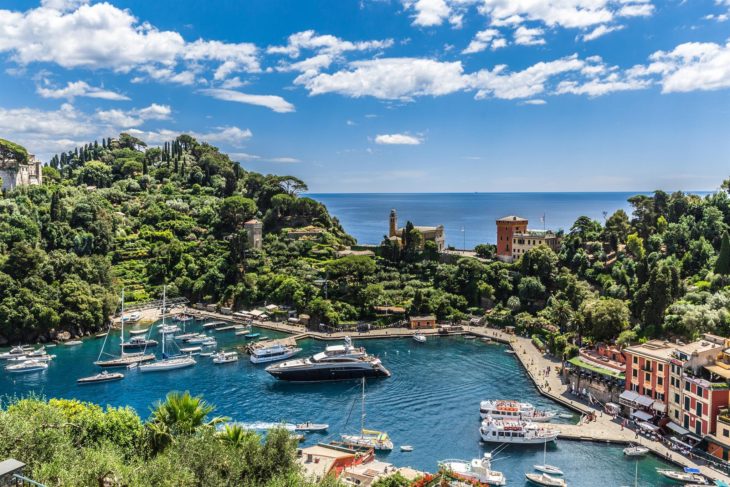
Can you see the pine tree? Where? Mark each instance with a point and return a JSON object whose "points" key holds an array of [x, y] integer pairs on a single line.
{"points": [[55, 206], [722, 264]]}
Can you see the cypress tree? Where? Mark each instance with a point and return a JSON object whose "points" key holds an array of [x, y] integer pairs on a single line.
{"points": [[722, 264]]}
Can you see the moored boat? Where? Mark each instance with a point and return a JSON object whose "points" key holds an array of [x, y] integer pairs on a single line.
{"points": [[225, 357], [545, 479], [103, 376], [125, 360], [406, 448], [27, 366], [132, 318], [518, 432], [273, 353], [250, 335], [38, 358], [191, 350], [688, 475], [377, 440], [507, 409], [635, 451], [476, 470], [72, 343], [140, 331], [311, 426], [138, 342], [419, 337]]}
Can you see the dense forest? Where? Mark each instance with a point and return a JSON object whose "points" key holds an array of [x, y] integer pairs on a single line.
{"points": [[119, 213]]}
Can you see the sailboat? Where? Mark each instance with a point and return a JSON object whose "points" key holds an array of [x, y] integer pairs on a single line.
{"points": [[124, 359], [167, 363], [377, 440], [545, 468]]}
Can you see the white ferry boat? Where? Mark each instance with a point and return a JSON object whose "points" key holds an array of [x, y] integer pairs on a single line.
{"points": [[520, 432], [478, 469], [273, 353], [505, 409]]}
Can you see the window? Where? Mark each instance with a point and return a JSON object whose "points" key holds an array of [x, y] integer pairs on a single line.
{"points": [[676, 398], [636, 359], [686, 386], [686, 421], [686, 403], [659, 396], [634, 373], [676, 414], [698, 427], [726, 433], [699, 391], [698, 409], [660, 381], [660, 367], [647, 377]]}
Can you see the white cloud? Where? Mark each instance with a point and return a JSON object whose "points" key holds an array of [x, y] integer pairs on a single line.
{"points": [[397, 139], [600, 31], [717, 18], [691, 66], [79, 88], [535, 101], [636, 10], [273, 102], [73, 34], [528, 37], [429, 12], [155, 112], [563, 13], [230, 135], [483, 39], [284, 160], [135, 117], [600, 87], [391, 79], [325, 44]]}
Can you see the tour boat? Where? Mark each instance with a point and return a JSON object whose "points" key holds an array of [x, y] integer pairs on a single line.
{"points": [[501, 409], [104, 376], [311, 426], [545, 479], [138, 342], [476, 470], [225, 357], [72, 343], [519, 432], [141, 331], [167, 363], [337, 362], [420, 338], [18, 351], [635, 451], [367, 438], [273, 353], [27, 366], [689, 475]]}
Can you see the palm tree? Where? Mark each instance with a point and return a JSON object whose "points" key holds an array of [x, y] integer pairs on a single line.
{"points": [[180, 414], [235, 435]]}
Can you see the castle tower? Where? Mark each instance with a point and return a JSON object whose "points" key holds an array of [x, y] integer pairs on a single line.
{"points": [[506, 228], [393, 223], [255, 231]]}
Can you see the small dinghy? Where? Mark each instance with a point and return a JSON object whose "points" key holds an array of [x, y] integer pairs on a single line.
{"points": [[191, 350], [406, 448], [545, 479], [565, 416], [510, 351], [636, 451], [251, 335], [486, 339], [72, 343], [419, 337], [101, 335], [141, 331], [311, 426], [101, 377], [470, 337]]}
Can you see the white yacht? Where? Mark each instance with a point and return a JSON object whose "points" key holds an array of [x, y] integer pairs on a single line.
{"points": [[132, 318], [104, 376], [545, 479], [506, 409], [635, 451], [27, 366], [420, 337], [19, 351], [37, 358], [519, 432], [138, 342], [689, 475], [169, 329], [478, 469], [273, 353], [337, 362], [225, 357]]}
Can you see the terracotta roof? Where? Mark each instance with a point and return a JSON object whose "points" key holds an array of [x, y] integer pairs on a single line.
{"points": [[252, 221], [512, 218]]}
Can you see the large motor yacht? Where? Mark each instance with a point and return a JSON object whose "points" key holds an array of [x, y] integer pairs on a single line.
{"points": [[274, 353], [337, 362], [521, 432], [501, 409]]}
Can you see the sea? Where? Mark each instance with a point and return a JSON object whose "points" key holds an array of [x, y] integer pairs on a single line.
{"points": [[468, 218], [430, 402]]}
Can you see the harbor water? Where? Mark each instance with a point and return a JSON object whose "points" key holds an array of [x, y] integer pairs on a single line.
{"points": [[431, 402]]}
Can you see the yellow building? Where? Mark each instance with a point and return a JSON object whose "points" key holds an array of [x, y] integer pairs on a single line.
{"points": [[524, 241]]}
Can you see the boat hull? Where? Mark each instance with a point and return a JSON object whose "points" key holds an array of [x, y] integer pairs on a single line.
{"points": [[165, 366], [327, 374], [124, 361], [100, 380], [273, 358]]}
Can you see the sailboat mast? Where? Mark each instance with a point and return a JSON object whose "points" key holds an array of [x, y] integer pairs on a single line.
{"points": [[362, 413], [162, 327], [121, 334]]}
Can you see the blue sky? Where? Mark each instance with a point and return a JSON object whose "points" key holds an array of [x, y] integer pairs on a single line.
{"points": [[387, 95]]}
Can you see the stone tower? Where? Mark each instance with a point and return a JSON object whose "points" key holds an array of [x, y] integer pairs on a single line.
{"points": [[506, 228], [393, 231], [255, 232]]}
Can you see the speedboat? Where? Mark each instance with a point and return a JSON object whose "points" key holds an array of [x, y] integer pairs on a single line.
{"points": [[501, 409], [168, 364], [104, 376], [18, 351], [635, 451], [72, 343], [545, 479], [250, 335], [141, 331], [419, 337], [519, 432], [406, 448], [273, 353], [225, 357], [336, 362], [191, 350], [311, 426], [689, 475], [476, 470], [27, 366], [137, 342], [132, 318], [169, 329]]}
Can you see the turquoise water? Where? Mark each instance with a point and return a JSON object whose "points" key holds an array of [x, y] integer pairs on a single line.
{"points": [[430, 402], [365, 215]]}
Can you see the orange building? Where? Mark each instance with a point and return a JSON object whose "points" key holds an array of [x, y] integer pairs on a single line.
{"points": [[507, 227], [418, 322]]}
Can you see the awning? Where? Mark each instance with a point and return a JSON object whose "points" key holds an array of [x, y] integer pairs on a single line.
{"points": [[628, 396], [648, 426], [659, 406], [641, 415], [680, 443], [676, 428], [644, 401], [692, 437]]}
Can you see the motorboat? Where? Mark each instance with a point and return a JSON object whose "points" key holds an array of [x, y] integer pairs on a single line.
{"points": [[19, 351], [486, 339], [470, 337], [101, 335], [636, 451], [27, 366], [476, 470], [336, 362], [141, 331], [214, 324], [314, 427], [104, 376], [506, 409], [545, 479], [510, 351], [273, 353], [207, 354], [251, 335], [406, 448], [519, 432], [138, 342], [191, 350], [197, 339], [73, 343], [169, 329], [186, 336], [183, 318], [132, 318], [225, 357], [419, 337], [565, 416], [367, 438], [688, 475], [39, 358]]}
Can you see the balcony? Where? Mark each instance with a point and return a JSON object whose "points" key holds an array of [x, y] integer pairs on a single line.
{"points": [[724, 416]]}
